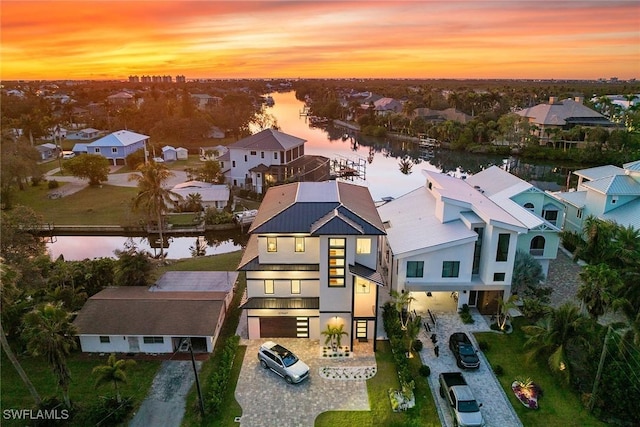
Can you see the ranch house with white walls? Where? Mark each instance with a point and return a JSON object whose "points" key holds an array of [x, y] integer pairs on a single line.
{"points": [[448, 238], [312, 262]]}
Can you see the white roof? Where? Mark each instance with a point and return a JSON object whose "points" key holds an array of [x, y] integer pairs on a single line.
{"points": [[316, 192], [121, 138], [210, 194], [575, 198], [168, 148]]}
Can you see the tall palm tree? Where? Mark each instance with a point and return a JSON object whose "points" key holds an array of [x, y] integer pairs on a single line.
{"points": [[553, 334], [153, 198], [113, 372], [48, 332], [402, 301], [596, 291]]}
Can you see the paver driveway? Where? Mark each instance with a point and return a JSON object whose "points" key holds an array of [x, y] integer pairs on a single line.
{"points": [[267, 400]]}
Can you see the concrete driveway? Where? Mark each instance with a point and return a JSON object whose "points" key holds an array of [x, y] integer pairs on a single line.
{"points": [[267, 400], [165, 403]]}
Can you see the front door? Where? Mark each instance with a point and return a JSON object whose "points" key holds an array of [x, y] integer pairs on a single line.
{"points": [[134, 345]]}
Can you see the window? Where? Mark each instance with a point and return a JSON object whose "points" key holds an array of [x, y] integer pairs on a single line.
{"points": [[96, 150], [272, 244], [415, 268], [362, 286], [363, 246], [529, 206], [245, 157], [262, 154], [614, 200], [477, 250], [536, 248], [233, 164], [104, 340], [114, 150], [268, 287], [295, 286], [299, 244], [153, 340], [551, 216], [337, 257], [579, 213], [253, 153], [275, 155], [498, 277], [503, 247], [450, 268]]}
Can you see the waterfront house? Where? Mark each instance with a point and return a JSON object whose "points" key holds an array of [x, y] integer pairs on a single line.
{"points": [[140, 319], [84, 134], [448, 238], [118, 145], [609, 193], [540, 212], [212, 195], [312, 262]]}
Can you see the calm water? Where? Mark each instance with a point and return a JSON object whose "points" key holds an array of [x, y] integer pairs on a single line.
{"points": [[383, 178]]}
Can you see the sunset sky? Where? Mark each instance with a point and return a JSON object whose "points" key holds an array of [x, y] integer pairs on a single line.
{"points": [[269, 39]]}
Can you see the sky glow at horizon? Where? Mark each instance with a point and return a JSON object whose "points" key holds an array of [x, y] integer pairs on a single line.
{"points": [[329, 39]]}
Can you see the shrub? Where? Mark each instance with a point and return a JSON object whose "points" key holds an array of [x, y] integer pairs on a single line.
{"points": [[484, 346], [498, 370], [425, 370], [465, 314], [571, 240], [417, 345], [219, 378], [533, 309], [105, 412], [53, 184], [36, 180]]}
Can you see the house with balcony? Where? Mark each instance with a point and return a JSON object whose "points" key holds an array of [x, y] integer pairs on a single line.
{"points": [[448, 238], [312, 262], [609, 193], [262, 159], [539, 211], [118, 145]]}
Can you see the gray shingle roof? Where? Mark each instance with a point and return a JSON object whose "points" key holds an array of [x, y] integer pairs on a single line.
{"points": [[268, 139]]}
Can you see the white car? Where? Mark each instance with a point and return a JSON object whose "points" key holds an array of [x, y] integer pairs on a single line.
{"points": [[283, 362], [68, 155]]}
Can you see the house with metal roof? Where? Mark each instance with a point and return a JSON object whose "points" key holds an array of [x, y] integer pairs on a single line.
{"points": [[214, 196], [608, 193], [156, 319], [267, 158], [559, 115], [312, 262], [540, 212], [118, 145], [448, 238]]}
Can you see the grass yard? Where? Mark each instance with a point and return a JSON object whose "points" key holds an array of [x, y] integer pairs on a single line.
{"points": [[221, 262], [423, 414], [558, 407], [106, 205], [82, 392]]}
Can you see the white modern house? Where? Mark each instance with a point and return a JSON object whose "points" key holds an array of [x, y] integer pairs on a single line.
{"points": [[156, 319], [448, 238], [261, 159], [312, 262], [540, 212], [213, 195], [606, 192]]}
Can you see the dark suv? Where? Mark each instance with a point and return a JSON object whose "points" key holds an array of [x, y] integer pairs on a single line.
{"points": [[282, 362], [464, 352]]}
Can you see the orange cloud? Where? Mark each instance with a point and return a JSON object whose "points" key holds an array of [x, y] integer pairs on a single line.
{"points": [[429, 39]]}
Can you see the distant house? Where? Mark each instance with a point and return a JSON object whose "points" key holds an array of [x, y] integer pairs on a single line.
{"points": [[121, 98], [118, 145], [182, 153], [559, 115], [213, 195], [212, 153], [605, 192], [204, 101], [138, 319], [440, 116], [385, 106], [79, 149], [169, 153], [84, 134], [47, 151]]}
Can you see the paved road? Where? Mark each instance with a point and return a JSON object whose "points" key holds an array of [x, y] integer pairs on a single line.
{"points": [[165, 403]]}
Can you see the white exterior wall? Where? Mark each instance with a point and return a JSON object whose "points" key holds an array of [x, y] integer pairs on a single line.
{"points": [[309, 283], [488, 263], [241, 169], [120, 344], [286, 253], [370, 259]]}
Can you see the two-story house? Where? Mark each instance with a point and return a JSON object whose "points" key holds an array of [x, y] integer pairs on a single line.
{"points": [[312, 262], [118, 145], [605, 192], [447, 237], [540, 212], [262, 159]]}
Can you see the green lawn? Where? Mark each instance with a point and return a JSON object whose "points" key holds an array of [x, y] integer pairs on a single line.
{"points": [[82, 392], [558, 407], [106, 205]]}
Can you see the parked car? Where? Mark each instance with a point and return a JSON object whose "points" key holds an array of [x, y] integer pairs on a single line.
{"points": [[464, 408], [463, 350], [68, 154], [283, 362]]}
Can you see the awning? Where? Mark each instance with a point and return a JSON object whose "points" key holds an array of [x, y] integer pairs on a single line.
{"points": [[309, 303], [366, 273]]}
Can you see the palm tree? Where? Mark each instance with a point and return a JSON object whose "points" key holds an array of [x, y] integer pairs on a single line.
{"points": [[503, 310], [596, 291], [553, 334], [402, 301], [413, 329], [527, 272], [48, 332], [334, 335], [113, 371], [152, 197]]}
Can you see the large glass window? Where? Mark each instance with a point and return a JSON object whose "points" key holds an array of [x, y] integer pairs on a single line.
{"points": [[477, 251], [272, 244], [299, 244], [363, 246], [537, 246], [503, 247], [153, 340], [337, 257], [104, 339], [415, 268], [295, 286], [450, 268], [268, 287]]}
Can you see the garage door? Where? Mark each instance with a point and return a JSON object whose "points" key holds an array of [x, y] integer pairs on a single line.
{"points": [[280, 327]]}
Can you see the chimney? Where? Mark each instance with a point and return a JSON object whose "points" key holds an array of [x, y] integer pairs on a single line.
{"points": [[579, 99], [552, 100]]}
